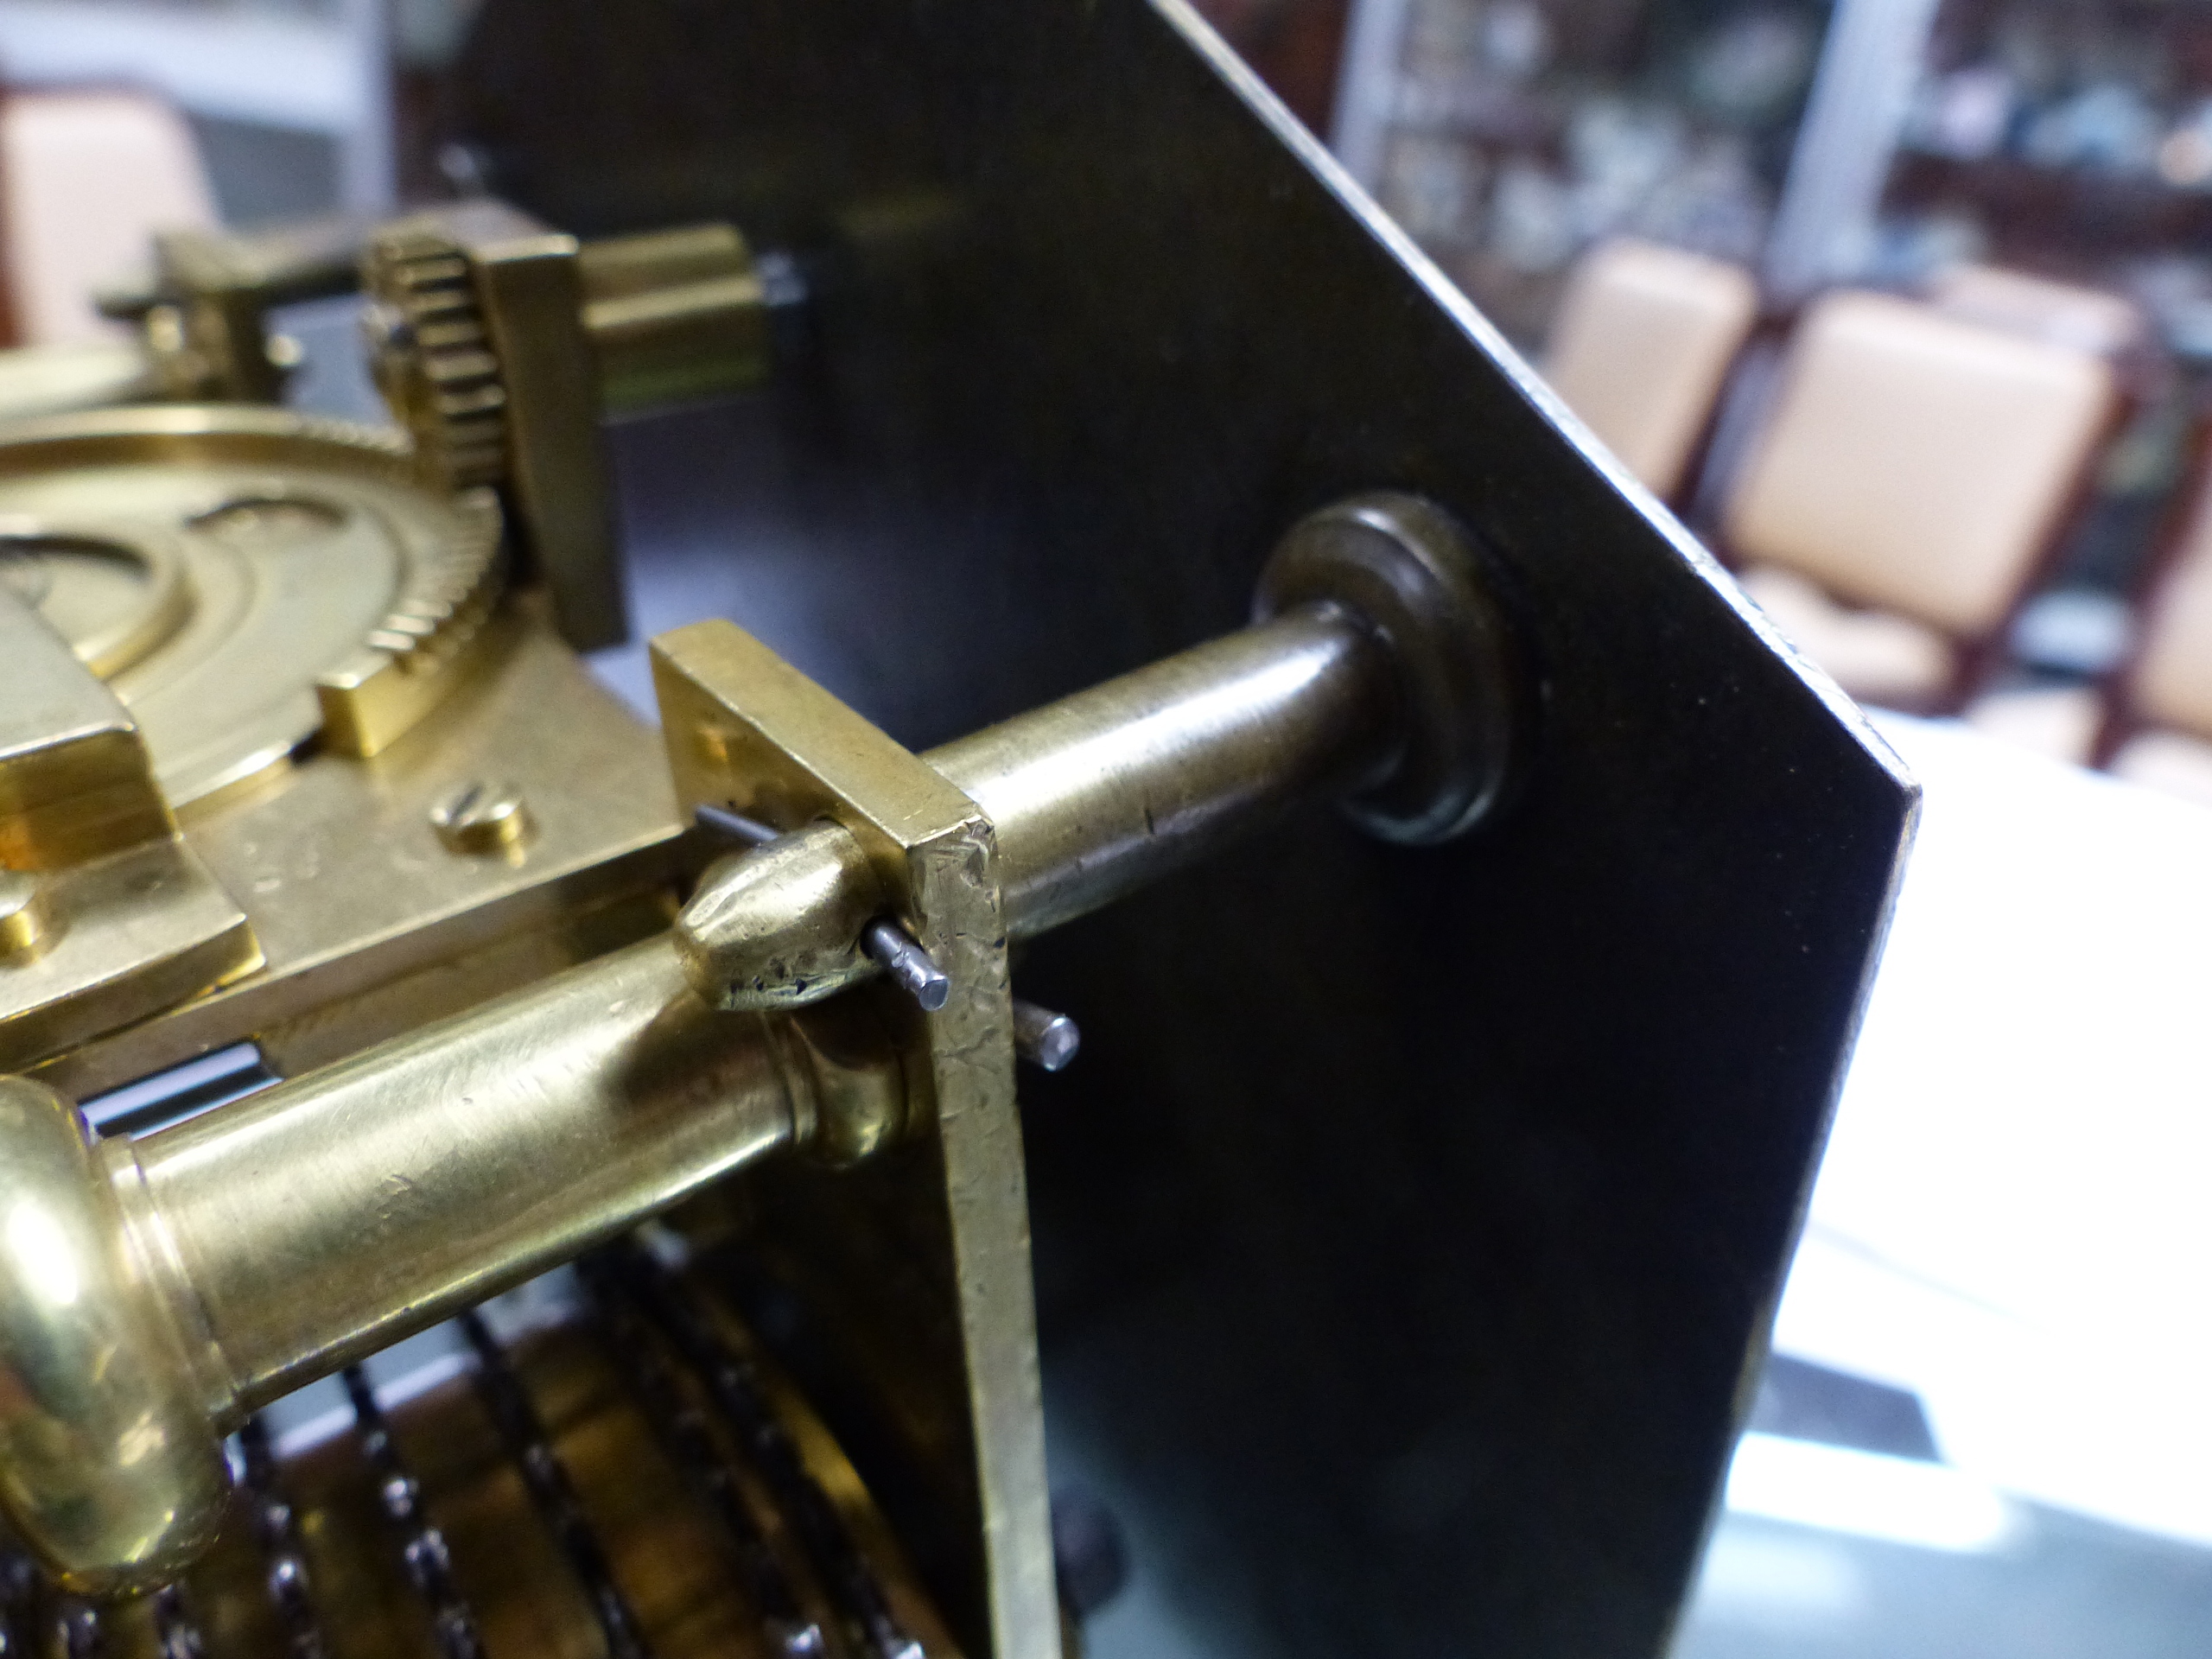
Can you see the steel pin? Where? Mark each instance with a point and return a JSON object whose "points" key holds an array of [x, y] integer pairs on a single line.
{"points": [[721, 821], [908, 963], [1045, 1039]]}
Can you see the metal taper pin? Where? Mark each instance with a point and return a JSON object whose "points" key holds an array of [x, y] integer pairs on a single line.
{"points": [[907, 963], [1045, 1039]]}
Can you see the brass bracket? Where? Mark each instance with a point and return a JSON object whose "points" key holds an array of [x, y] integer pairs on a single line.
{"points": [[109, 915], [747, 732]]}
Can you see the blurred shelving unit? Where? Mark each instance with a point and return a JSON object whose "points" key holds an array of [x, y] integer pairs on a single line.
{"points": [[2072, 137], [1508, 136], [1869, 141], [317, 66]]}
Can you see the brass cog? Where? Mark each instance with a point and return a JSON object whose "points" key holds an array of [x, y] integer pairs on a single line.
{"points": [[433, 356], [247, 578]]}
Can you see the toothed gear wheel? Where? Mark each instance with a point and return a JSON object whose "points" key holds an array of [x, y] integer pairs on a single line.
{"points": [[433, 356]]}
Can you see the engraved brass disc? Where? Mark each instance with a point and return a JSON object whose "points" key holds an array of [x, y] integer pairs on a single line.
{"points": [[229, 570]]}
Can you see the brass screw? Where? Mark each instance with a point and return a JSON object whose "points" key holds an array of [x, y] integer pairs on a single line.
{"points": [[22, 912], [482, 818]]}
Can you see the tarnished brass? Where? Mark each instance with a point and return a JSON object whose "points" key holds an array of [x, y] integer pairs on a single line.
{"points": [[504, 345], [673, 316]]}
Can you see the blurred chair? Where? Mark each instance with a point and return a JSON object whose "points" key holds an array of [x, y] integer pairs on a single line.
{"points": [[1641, 346], [1913, 475], [2060, 314], [2158, 728], [86, 177]]}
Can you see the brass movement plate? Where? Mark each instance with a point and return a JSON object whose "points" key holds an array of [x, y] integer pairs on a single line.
{"points": [[245, 577]]}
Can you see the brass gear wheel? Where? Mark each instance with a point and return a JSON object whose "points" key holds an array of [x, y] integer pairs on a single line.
{"points": [[433, 356], [246, 578]]}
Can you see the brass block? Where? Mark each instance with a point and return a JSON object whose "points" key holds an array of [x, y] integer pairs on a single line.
{"points": [[350, 890], [124, 937], [125, 920], [532, 296], [746, 731]]}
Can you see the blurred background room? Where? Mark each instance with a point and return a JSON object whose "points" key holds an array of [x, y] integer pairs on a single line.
{"points": [[1905, 307]]}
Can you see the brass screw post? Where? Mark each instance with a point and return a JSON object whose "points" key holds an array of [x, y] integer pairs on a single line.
{"points": [[482, 818], [22, 912]]}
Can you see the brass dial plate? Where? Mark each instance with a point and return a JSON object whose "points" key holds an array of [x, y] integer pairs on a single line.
{"points": [[216, 564]]}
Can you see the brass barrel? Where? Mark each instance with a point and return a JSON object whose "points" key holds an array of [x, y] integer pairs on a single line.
{"points": [[325, 1218], [1107, 790]]}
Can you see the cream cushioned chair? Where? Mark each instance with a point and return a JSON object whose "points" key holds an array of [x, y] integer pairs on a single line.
{"points": [[1641, 346], [2167, 695], [1915, 469], [85, 178], [2085, 319]]}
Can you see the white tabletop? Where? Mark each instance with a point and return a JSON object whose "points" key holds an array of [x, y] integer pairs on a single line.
{"points": [[2014, 1217]]}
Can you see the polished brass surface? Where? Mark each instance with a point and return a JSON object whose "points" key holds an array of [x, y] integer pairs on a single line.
{"points": [[122, 917], [326, 1218], [123, 938], [295, 1232], [368, 922], [1090, 797], [781, 926], [245, 577], [106, 1456], [75, 779], [23, 917], [323, 1220], [747, 732], [1389, 675], [1113, 788], [432, 353]]}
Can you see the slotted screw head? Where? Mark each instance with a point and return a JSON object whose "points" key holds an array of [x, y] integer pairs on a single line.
{"points": [[481, 817]]}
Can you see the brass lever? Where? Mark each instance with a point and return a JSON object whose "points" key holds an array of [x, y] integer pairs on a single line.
{"points": [[153, 1293]]}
